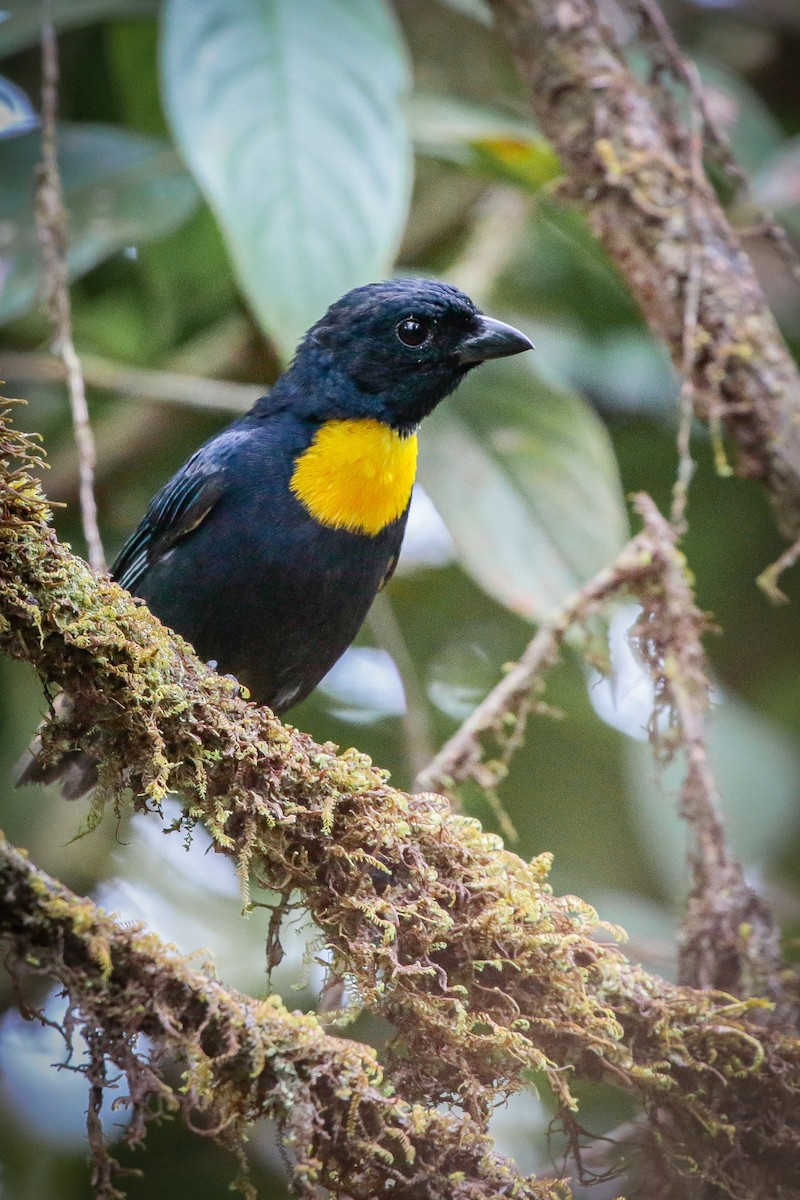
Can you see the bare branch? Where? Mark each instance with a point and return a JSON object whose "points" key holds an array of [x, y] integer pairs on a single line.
{"points": [[51, 226], [502, 715]]}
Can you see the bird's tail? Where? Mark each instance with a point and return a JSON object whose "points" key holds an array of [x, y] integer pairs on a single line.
{"points": [[75, 771]]}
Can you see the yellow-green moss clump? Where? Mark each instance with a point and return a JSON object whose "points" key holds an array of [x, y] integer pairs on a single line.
{"points": [[243, 1059]]}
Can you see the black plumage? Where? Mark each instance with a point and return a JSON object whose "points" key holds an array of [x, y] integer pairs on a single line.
{"points": [[229, 557], [232, 559]]}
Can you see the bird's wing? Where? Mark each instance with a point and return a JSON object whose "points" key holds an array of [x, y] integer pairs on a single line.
{"points": [[180, 506]]}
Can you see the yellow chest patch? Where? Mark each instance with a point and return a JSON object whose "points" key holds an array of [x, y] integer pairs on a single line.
{"points": [[356, 475]]}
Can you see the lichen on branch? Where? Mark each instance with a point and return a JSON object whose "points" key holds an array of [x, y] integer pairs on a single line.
{"points": [[489, 979]]}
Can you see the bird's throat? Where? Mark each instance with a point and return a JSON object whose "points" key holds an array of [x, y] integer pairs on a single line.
{"points": [[356, 475]]}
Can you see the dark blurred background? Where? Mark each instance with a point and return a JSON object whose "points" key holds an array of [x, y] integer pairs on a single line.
{"points": [[205, 235]]}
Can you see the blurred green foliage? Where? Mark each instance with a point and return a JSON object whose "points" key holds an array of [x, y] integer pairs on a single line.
{"points": [[226, 179]]}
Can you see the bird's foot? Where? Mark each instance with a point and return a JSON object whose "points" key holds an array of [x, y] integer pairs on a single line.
{"points": [[239, 689], [240, 692]]}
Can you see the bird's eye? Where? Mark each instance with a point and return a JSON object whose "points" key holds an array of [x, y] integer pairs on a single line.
{"points": [[413, 332]]}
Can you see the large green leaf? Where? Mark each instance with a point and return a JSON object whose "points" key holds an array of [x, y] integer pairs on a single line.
{"points": [[20, 20], [526, 480], [290, 116], [120, 189]]}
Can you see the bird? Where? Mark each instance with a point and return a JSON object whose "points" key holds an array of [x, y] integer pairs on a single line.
{"points": [[267, 548]]}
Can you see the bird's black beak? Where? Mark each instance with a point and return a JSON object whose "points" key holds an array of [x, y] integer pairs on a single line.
{"points": [[491, 339]]}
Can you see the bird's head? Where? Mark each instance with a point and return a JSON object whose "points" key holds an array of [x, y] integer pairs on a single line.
{"points": [[393, 350]]}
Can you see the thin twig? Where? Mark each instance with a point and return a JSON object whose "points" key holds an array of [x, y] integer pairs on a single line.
{"points": [[768, 579], [673, 631], [51, 226], [503, 713], [138, 383], [729, 939], [694, 278]]}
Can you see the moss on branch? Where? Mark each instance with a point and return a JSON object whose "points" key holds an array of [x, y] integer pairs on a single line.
{"points": [[638, 172], [242, 1059], [486, 975]]}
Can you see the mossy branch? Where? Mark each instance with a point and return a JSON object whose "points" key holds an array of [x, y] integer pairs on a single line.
{"points": [[242, 1059], [489, 979], [714, 952], [636, 167]]}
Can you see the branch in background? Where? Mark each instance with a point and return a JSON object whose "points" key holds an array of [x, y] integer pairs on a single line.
{"points": [[729, 938], [459, 944], [137, 383], [692, 292], [502, 715], [124, 432], [244, 1059], [51, 227], [626, 162], [661, 41]]}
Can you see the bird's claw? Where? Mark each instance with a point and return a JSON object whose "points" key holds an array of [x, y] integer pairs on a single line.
{"points": [[240, 692]]}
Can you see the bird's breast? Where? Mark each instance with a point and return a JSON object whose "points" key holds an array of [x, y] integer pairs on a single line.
{"points": [[356, 475]]}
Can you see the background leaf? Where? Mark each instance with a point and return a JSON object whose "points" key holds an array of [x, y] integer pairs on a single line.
{"points": [[120, 189], [477, 9], [20, 20], [525, 479], [17, 114], [482, 139], [289, 115], [777, 184]]}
